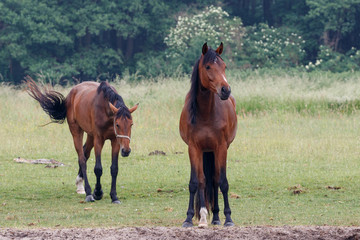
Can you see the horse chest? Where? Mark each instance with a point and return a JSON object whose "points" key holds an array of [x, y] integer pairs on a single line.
{"points": [[207, 138]]}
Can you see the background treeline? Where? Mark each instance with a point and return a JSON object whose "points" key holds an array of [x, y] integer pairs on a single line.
{"points": [[66, 41]]}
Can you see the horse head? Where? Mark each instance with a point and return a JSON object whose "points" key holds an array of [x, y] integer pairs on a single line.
{"points": [[212, 72], [122, 127]]}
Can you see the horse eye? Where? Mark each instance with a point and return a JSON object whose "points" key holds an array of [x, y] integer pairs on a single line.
{"points": [[117, 125], [207, 67]]}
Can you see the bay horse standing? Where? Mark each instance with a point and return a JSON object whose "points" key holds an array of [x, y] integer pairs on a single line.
{"points": [[208, 124], [98, 110]]}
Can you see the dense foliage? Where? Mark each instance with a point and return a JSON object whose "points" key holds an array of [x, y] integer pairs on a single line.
{"points": [[80, 40]]}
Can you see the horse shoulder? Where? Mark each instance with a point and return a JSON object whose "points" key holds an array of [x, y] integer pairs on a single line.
{"points": [[232, 99], [102, 112], [183, 124], [232, 122]]}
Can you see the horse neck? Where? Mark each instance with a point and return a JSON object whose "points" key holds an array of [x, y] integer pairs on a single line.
{"points": [[205, 99]]}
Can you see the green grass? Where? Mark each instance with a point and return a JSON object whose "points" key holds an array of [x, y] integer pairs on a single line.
{"points": [[293, 131]]}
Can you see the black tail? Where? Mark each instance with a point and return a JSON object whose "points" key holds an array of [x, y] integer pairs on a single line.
{"points": [[209, 172], [52, 102]]}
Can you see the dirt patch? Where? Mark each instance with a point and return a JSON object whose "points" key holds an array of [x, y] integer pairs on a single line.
{"points": [[261, 232], [157, 152]]}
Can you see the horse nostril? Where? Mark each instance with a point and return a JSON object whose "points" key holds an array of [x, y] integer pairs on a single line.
{"points": [[225, 90], [125, 153]]}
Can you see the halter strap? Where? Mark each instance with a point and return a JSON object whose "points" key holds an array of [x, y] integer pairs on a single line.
{"points": [[120, 136]]}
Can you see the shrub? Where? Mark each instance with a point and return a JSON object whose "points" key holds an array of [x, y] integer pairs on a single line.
{"points": [[212, 25], [330, 60], [266, 46]]}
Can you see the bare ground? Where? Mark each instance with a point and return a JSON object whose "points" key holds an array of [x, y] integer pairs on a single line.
{"points": [[260, 232]]}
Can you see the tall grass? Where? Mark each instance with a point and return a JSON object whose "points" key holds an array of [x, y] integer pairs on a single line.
{"points": [[298, 133], [315, 92]]}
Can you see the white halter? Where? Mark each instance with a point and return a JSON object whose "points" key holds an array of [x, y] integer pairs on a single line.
{"points": [[120, 136]]}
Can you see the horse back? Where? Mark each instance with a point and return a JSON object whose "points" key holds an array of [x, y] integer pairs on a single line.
{"points": [[84, 105]]}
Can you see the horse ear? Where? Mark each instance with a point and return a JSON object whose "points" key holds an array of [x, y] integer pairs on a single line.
{"points": [[220, 49], [113, 108], [205, 48], [133, 108]]}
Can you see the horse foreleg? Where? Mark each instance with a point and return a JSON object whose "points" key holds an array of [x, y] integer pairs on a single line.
{"points": [[114, 170], [220, 170], [79, 179], [224, 186], [193, 186], [98, 192]]}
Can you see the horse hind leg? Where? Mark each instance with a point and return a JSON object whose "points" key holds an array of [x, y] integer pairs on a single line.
{"points": [[79, 185], [78, 134], [212, 185], [203, 216], [79, 179], [224, 187], [215, 208]]}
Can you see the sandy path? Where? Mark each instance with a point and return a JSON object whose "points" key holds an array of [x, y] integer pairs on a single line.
{"points": [[261, 232]]}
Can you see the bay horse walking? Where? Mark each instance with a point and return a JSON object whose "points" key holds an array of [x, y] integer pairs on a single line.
{"points": [[208, 124], [98, 110]]}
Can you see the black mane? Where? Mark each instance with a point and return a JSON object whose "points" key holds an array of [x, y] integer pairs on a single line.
{"points": [[111, 95], [209, 56]]}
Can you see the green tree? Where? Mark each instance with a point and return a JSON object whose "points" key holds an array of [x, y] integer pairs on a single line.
{"points": [[83, 39], [338, 18]]}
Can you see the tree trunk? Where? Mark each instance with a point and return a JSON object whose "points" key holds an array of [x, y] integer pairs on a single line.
{"points": [[267, 12], [253, 7], [337, 40], [119, 43], [87, 39], [129, 48]]}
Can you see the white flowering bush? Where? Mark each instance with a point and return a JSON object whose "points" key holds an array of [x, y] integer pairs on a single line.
{"points": [[330, 60], [266, 46], [213, 25]]}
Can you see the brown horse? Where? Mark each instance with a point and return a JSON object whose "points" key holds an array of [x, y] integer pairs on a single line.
{"points": [[208, 124], [98, 110]]}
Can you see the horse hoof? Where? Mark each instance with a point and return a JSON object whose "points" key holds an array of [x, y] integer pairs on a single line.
{"points": [[98, 194], [89, 198], [229, 224], [216, 222], [187, 224], [116, 202], [80, 191], [202, 225]]}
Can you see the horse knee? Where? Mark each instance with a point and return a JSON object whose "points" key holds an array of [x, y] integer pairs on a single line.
{"points": [[224, 185], [193, 186], [114, 171], [98, 171]]}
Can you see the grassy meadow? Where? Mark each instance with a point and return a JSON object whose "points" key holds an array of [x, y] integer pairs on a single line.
{"points": [[295, 160]]}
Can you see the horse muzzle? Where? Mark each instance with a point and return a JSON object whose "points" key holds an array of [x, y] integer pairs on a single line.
{"points": [[125, 153], [225, 92]]}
